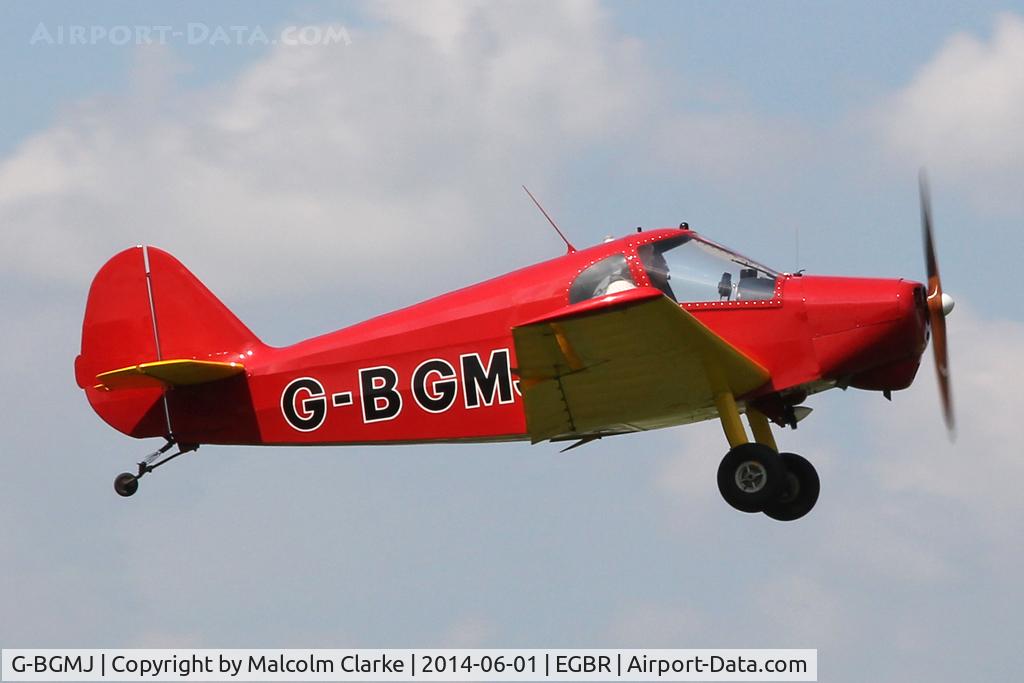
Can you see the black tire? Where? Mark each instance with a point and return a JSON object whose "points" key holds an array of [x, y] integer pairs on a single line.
{"points": [[801, 490], [126, 484], [751, 477]]}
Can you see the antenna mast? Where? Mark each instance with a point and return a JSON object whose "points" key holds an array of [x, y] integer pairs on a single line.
{"points": [[571, 248], [797, 232]]}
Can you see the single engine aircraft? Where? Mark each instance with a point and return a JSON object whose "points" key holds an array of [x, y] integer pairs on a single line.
{"points": [[655, 329]]}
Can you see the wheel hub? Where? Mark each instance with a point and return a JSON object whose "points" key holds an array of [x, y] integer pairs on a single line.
{"points": [[751, 476]]}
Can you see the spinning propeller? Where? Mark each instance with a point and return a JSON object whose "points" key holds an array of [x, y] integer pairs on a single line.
{"points": [[939, 306]]}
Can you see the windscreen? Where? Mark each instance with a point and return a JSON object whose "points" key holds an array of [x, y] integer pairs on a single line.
{"points": [[689, 269]]}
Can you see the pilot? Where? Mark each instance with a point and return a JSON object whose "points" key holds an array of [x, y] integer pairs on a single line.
{"points": [[657, 268], [617, 281]]}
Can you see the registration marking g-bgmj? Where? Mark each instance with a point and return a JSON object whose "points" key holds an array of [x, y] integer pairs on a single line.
{"points": [[434, 387]]}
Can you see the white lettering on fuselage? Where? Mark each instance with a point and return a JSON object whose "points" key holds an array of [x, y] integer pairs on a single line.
{"points": [[434, 387]]}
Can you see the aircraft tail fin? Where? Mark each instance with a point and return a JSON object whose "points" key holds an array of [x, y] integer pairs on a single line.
{"points": [[151, 325]]}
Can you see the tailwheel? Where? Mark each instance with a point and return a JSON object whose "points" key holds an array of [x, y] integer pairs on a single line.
{"points": [[126, 484], [800, 492], [751, 477]]}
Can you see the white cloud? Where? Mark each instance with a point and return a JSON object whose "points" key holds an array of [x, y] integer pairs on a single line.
{"points": [[361, 163], [977, 476], [346, 162], [961, 114]]}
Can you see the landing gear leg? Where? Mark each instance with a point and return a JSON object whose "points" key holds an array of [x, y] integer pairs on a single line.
{"points": [[800, 492], [761, 428], [729, 414], [751, 475], [126, 483]]}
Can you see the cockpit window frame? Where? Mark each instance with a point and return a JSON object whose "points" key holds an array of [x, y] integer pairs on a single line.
{"points": [[606, 267], [643, 278]]}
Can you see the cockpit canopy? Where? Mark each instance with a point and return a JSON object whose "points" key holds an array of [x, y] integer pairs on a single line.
{"points": [[687, 268]]}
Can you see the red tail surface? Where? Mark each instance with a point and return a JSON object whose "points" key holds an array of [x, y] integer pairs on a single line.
{"points": [[150, 319]]}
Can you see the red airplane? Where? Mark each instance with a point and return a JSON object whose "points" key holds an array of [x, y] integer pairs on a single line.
{"points": [[656, 329]]}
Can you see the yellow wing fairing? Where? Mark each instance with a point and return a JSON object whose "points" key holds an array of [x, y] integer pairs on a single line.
{"points": [[166, 373]]}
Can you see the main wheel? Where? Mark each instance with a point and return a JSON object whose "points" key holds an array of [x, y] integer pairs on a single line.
{"points": [[800, 493], [751, 477], [126, 484]]}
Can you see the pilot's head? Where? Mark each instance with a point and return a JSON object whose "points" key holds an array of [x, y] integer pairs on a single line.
{"points": [[655, 264]]}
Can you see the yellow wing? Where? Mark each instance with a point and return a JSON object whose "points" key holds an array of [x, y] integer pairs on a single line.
{"points": [[165, 373], [625, 362]]}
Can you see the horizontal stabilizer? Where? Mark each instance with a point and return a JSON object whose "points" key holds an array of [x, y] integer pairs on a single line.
{"points": [[165, 373]]}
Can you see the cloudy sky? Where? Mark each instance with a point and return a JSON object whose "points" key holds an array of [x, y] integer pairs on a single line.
{"points": [[311, 186]]}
